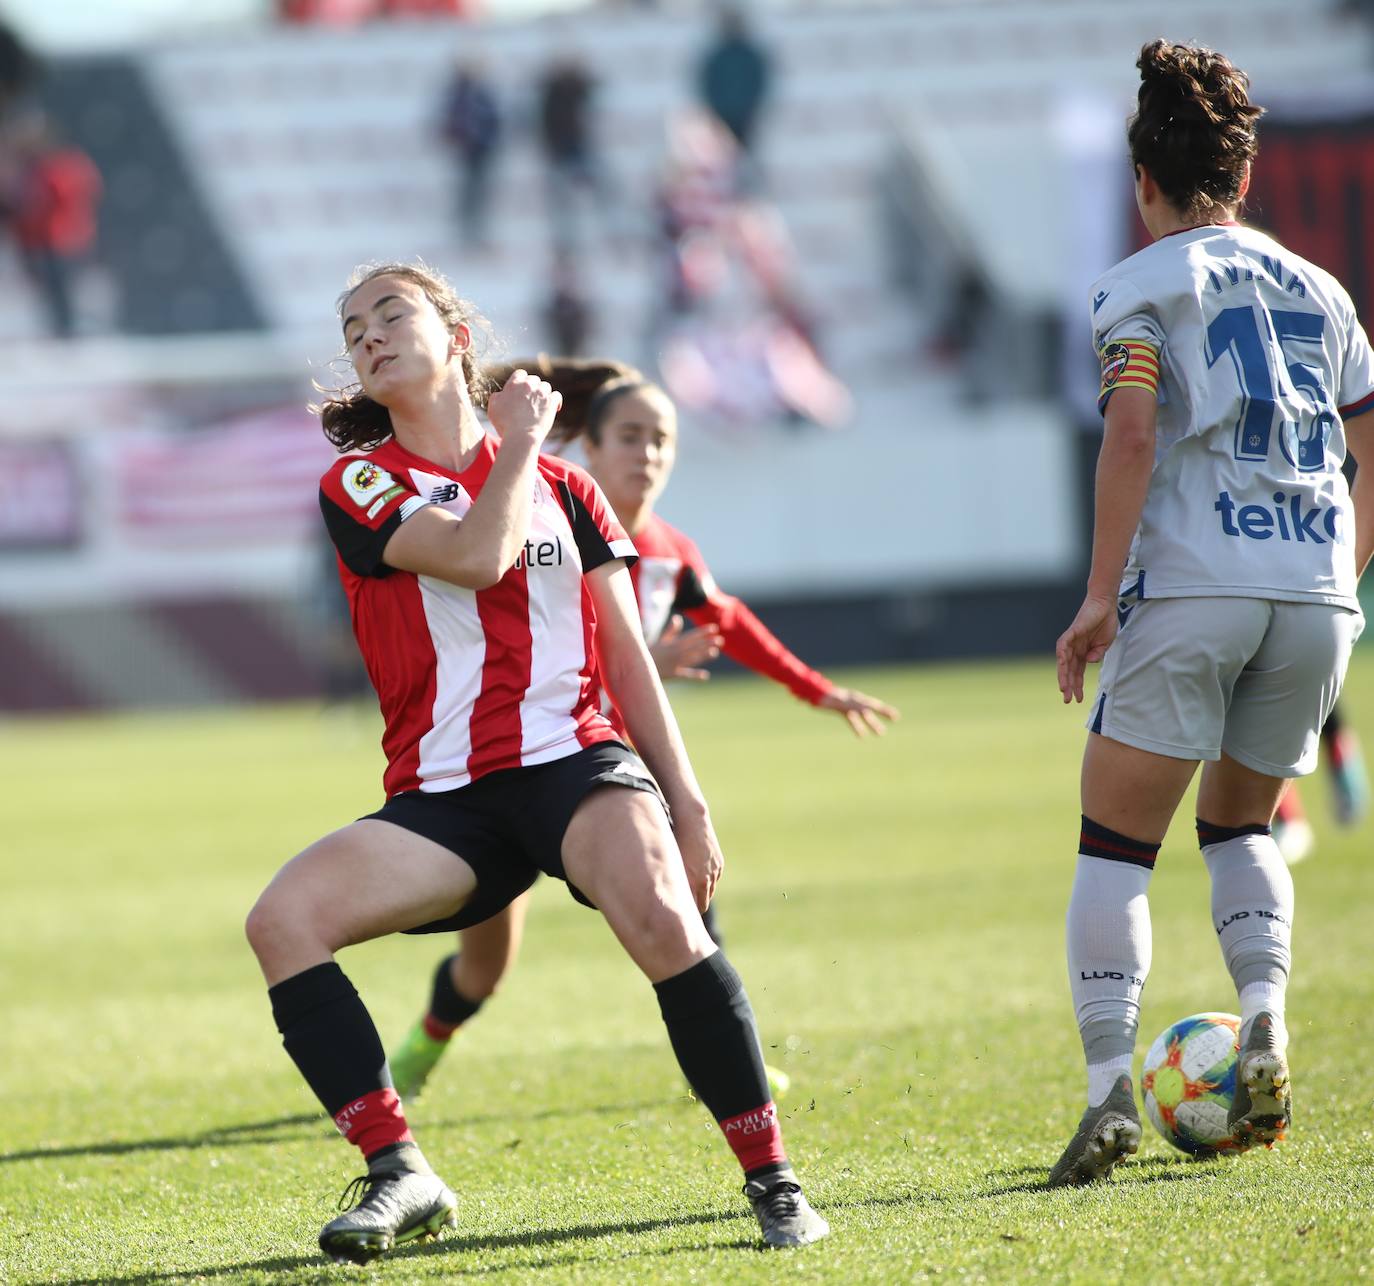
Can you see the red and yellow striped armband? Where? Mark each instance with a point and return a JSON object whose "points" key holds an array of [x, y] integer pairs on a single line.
{"points": [[1127, 363]]}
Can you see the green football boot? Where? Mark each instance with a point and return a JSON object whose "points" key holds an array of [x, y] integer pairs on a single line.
{"points": [[413, 1060]]}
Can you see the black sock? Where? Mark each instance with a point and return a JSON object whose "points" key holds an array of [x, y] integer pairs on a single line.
{"points": [[713, 1033], [712, 923], [329, 1034], [1208, 833], [446, 1002]]}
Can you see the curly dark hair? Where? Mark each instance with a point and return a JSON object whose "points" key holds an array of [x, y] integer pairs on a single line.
{"points": [[1194, 129], [351, 420]]}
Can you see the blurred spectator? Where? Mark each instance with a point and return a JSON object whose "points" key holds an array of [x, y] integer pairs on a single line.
{"points": [[693, 205], [568, 312], [570, 151], [728, 328], [349, 12], [471, 125], [335, 12], [963, 332], [52, 192], [734, 76], [424, 8], [18, 71]]}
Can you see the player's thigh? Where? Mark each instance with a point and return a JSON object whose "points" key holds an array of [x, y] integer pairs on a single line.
{"points": [[1167, 679], [620, 851], [1284, 694], [1230, 794], [1132, 791], [368, 879], [1161, 706]]}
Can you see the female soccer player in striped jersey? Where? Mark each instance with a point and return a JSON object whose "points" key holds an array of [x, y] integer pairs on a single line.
{"points": [[628, 429], [487, 583], [1234, 374]]}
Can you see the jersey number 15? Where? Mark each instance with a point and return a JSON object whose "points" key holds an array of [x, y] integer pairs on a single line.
{"points": [[1235, 332]]}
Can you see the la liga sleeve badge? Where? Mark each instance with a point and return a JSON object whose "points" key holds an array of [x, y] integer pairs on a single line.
{"points": [[364, 480]]}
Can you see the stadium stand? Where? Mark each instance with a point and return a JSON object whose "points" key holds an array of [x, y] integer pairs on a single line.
{"points": [[260, 140]]}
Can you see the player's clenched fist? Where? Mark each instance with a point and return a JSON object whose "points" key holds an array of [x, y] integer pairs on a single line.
{"points": [[525, 404]]}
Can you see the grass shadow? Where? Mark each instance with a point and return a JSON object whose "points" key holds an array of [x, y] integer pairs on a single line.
{"points": [[1151, 1169], [217, 1136], [271, 1131], [477, 1245]]}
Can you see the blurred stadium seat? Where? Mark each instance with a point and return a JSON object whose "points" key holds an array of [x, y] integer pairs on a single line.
{"points": [[247, 176]]}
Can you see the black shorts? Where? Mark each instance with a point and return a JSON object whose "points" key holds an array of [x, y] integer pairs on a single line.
{"points": [[509, 825]]}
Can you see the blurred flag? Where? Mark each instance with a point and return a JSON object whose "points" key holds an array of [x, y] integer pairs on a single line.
{"points": [[40, 504], [250, 480]]}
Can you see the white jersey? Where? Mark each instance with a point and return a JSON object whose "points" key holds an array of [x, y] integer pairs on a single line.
{"points": [[1259, 356]]}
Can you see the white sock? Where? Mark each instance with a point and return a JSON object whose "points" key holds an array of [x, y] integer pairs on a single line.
{"points": [[1252, 912], [1107, 934], [1102, 1076], [1258, 998]]}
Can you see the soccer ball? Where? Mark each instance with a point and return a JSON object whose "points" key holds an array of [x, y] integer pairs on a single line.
{"points": [[1189, 1080]]}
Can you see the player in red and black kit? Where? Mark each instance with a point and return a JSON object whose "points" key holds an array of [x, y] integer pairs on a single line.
{"points": [[628, 428], [490, 596], [1344, 762]]}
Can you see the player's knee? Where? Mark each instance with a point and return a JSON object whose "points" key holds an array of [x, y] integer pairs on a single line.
{"points": [[659, 929], [262, 927], [274, 923]]}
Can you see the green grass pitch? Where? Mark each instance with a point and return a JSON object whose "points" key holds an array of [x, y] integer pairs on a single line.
{"points": [[896, 909]]}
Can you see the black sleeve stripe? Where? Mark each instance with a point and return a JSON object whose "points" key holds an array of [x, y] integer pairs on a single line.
{"points": [[592, 546], [359, 546], [691, 593]]}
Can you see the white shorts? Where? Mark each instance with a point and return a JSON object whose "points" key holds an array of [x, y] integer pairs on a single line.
{"points": [[1191, 677]]}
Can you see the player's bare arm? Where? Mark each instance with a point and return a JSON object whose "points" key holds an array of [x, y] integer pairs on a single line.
{"points": [[634, 685], [476, 551], [1123, 478]]}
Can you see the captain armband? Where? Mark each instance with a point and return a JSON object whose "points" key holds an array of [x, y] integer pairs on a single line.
{"points": [[1127, 363]]}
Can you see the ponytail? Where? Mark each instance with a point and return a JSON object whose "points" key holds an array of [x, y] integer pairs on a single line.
{"points": [[588, 386], [1194, 129]]}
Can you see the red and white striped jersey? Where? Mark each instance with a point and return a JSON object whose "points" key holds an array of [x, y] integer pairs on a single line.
{"points": [[672, 579], [471, 681]]}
